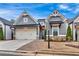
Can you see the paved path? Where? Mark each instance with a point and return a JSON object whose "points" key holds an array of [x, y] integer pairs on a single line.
{"points": [[12, 45]]}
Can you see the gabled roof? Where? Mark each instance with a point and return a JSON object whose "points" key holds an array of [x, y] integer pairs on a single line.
{"points": [[56, 16], [70, 21], [56, 22], [76, 19], [19, 20], [6, 22]]}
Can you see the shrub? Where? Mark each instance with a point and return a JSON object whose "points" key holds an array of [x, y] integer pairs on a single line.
{"points": [[69, 34], [1, 34]]}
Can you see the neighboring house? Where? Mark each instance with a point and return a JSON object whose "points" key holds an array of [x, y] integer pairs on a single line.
{"points": [[6, 27], [42, 27], [26, 27], [57, 26], [75, 29]]}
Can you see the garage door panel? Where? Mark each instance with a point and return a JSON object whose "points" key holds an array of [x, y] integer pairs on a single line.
{"points": [[26, 34]]}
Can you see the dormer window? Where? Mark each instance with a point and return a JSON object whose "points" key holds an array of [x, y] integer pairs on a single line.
{"points": [[25, 19]]}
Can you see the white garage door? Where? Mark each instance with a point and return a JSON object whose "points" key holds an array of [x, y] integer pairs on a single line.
{"points": [[28, 34]]}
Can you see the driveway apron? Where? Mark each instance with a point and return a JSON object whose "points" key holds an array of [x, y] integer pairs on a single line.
{"points": [[13, 44]]}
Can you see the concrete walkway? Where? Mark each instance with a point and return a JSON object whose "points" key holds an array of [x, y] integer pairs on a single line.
{"points": [[12, 45]]}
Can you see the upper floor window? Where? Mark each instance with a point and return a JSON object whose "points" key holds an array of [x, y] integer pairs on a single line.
{"points": [[25, 19]]}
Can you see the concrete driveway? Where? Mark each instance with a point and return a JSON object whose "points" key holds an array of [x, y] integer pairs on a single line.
{"points": [[12, 45]]}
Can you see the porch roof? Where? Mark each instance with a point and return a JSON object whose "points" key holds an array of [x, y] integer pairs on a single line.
{"points": [[55, 22]]}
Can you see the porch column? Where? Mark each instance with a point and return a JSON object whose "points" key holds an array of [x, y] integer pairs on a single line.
{"points": [[52, 30], [74, 30], [38, 32], [58, 31]]}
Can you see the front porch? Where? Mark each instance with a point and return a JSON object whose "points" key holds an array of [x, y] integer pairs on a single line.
{"points": [[57, 32]]}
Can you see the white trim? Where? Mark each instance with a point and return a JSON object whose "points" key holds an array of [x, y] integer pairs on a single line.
{"points": [[58, 35], [49, 35], [52, 31], [62, 35], [38, 32], [58, 31], [74, 30]]}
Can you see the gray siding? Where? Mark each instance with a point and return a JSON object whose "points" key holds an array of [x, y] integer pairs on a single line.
{"points": [[50, 31], [55, 18], [20, 20], [62, 29]]}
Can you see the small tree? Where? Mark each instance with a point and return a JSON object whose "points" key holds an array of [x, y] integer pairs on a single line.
{"points": [[69, 34], [1, 34]]}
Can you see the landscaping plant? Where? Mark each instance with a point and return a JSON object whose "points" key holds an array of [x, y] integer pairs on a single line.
{"points": [[69, 34], [1, 34]]}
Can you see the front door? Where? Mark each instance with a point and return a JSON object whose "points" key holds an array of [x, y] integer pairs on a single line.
{"points": [[55, 31]]}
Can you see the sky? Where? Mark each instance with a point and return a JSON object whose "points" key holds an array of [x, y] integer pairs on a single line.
{"points": [[38, 10]]}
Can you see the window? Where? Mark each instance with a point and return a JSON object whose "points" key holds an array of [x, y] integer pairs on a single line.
{"points": [[55, 32], [25, 19]]}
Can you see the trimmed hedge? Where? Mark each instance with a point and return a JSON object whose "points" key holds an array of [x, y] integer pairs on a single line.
{"points": [[1, 34]]}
